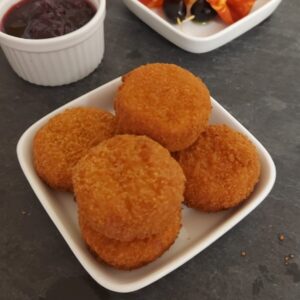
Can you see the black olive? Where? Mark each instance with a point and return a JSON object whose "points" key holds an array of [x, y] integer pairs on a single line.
{"points": [[202, 11], [174, 10]]}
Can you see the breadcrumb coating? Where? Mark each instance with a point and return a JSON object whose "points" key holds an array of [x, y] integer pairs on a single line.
{"points": [[134, 254], [128, 187], [164, 102], [221, 168], [60, 143]]}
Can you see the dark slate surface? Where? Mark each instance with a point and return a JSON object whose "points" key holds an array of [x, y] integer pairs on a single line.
{"points": [[256, 78]]}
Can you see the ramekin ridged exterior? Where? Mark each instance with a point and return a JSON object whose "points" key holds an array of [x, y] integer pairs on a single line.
{"points": [[60, 60]]}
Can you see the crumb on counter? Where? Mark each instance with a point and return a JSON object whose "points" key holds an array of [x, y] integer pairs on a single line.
{"points": [[25, 213], [287, 258]]}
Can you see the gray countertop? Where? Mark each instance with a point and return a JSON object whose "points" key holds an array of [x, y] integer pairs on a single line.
{"points": [[257, 78]]}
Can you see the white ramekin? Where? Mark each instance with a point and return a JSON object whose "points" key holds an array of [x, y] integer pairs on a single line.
{"points": [[60, 60]]}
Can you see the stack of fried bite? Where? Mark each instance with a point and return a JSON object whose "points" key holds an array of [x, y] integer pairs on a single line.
{"points": [[130, 172]]}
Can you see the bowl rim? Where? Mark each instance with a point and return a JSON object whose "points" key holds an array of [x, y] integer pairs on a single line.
{"points": [[238, 215], [85, 30]]}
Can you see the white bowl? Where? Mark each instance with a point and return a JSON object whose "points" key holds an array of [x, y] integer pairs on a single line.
{"points": [[198, 38], [60, 60], [199, 230]]}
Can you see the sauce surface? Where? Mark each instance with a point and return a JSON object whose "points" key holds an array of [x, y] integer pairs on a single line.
{"points": [[42, 19]]}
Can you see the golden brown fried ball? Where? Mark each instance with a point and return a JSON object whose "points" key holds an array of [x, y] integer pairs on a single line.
{"points": [[134, 254], [165, 102], [221, 168], [128, 187], [67, 137]]}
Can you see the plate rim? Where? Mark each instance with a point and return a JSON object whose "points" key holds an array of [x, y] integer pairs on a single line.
{"points": [[191, 252]]}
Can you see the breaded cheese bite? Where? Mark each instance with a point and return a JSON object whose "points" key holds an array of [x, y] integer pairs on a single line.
{"points": [[221, 167], [61, 142], [128, 187], [164, 102], [133, 254]]}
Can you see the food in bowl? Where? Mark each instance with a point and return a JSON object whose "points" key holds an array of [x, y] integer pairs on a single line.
{"points": [[133, 254], [129, 192], [165, 102], [58, 60], [202, 11], [128, 187], [230, 11], [222, 169], [64, 139], [41, 19]]}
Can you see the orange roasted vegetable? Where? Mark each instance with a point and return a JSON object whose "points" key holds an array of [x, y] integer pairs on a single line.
{"points": [[153, 3], [231, 11]]}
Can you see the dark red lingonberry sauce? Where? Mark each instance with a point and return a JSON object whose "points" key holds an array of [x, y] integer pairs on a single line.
{"points": [[42, 19]]}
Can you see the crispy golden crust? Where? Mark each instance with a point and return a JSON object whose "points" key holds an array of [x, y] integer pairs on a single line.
{"points": [[67, 137], [134, 254], [165, 102], [221, 168], [128, 187]]}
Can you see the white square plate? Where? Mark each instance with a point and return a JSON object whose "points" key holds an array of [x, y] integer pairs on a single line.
{"points": [[198, 38], [199, 230]]}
